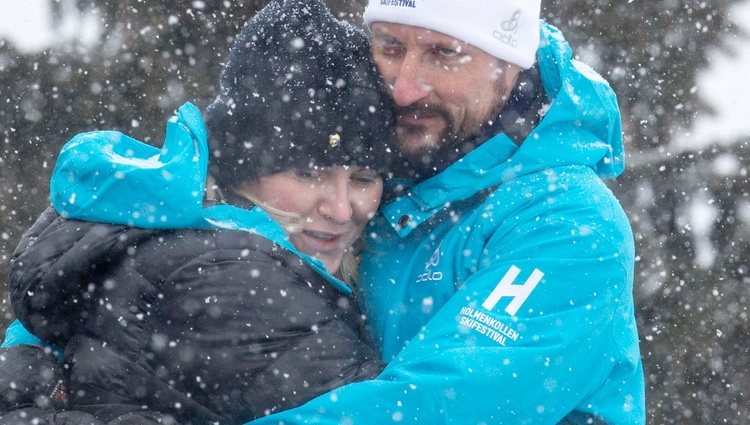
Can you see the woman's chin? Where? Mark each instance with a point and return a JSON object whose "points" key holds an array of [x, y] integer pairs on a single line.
{"points": [[332, 264]]}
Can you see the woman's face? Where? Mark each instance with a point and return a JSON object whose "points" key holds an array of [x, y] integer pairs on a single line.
{"points": [[331, 206]]}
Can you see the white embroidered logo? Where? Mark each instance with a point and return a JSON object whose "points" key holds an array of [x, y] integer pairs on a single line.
{"points": [[508, 30], [434, 261], [506, 288]]}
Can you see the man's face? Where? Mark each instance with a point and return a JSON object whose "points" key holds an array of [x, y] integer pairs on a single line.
{"points": [[444, 90]]}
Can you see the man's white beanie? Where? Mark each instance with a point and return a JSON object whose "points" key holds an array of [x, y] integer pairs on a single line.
{"points": [[506, 29]]}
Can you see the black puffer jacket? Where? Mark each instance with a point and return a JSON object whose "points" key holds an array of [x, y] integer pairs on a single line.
{"points": [[197, 326]]}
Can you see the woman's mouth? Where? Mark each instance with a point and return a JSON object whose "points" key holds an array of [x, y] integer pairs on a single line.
{"points": [[322, 241]]}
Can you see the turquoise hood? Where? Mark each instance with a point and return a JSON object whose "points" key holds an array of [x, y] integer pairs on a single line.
{"points": [[107, 176]]}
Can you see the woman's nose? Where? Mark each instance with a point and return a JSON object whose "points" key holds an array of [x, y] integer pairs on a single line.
{"points": [[336, 205]]}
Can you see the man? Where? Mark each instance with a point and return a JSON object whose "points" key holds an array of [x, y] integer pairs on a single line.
{"points": [[498, 278]]}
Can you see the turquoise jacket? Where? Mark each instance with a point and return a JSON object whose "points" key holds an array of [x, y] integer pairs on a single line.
{"points": [[500, 290]]}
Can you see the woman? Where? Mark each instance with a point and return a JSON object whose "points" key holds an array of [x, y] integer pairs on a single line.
{"points": [[208, 311]]}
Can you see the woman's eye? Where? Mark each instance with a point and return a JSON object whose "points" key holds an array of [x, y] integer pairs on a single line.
{"points": [[365, 179], [307, 174]]}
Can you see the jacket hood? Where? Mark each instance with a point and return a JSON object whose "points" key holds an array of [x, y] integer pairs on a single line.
{"points": [[109, 177], [580, 126]]}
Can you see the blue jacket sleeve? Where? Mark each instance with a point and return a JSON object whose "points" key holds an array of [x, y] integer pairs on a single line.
{"points": [[492, 355]]}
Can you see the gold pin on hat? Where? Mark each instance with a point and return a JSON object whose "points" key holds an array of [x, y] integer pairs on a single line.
{"points": [[334, 140]]}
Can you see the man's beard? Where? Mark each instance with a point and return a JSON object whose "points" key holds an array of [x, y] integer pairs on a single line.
{"points": [[451, 144]]}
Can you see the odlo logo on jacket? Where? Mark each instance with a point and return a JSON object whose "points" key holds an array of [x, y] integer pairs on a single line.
{"points": [[429, 274]]}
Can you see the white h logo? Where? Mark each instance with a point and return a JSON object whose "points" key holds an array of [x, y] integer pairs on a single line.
{"points": [[506, 288]]}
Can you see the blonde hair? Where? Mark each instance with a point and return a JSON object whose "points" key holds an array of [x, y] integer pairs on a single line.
{"points": [[348, 270]]}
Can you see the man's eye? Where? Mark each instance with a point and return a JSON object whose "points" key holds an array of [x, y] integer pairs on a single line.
{"points": [[389, 42], [387, 49], [447, 53]]}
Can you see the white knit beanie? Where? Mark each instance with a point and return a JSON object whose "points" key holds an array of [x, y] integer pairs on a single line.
{"points": [[506, 29]]}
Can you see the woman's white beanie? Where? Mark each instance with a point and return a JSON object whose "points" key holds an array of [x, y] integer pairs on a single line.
{"points": [[506, 29]]}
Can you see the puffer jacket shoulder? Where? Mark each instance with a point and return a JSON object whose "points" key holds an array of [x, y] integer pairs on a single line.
{"points": [[51, 268]]}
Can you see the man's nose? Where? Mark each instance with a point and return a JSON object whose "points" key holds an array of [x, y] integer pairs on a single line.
{"points": [[409, 84], [336, 205]]}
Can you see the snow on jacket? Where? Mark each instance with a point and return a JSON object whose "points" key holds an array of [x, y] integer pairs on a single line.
{"points": [[221, 323], [500, 290]]}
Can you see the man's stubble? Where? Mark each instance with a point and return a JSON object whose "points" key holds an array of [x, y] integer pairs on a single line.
{"points": [[454, 142]]}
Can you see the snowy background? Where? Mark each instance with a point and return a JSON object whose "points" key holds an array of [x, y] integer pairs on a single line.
{"points": [[681, 78], [725, 88], [28, 24], [723, 85]]}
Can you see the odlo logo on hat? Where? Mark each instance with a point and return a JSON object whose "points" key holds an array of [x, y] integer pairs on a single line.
{"points": [[508, 29]]}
